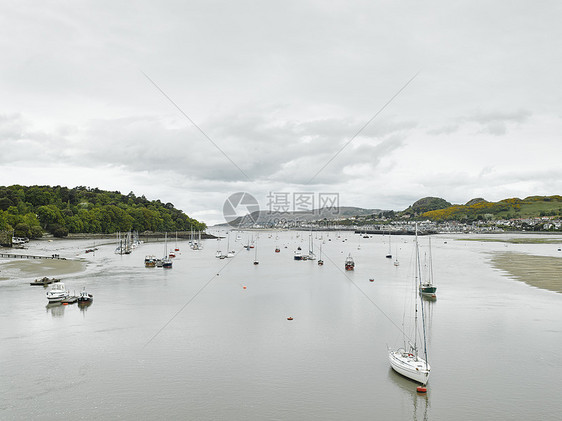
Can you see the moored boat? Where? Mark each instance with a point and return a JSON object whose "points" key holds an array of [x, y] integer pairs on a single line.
{"points": [[408, 362], [44, 281], [349, 263], [149, 261], [84, 296], [57, 293]]}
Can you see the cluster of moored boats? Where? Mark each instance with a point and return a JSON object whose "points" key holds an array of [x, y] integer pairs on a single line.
{"points": [[59, 294], [151, 261]]}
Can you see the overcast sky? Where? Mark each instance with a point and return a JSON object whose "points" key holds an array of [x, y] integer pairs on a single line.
{"points": [[280, 87]]}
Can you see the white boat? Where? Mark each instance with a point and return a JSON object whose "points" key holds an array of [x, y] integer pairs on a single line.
{"points": [[311, 255], [407, 360], [57, 293]]}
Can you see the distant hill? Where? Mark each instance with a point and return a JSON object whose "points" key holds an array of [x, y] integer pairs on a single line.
{"points": [[475, 201], [532, 206], [426, 204], [268, 218]]}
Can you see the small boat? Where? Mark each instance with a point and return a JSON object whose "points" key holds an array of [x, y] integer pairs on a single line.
{"points": [[256, 261], [389, 255], [57, 293], [44, 281], [84, 296], [166, 260], [172, 254], [149, 261], [298, 255], [277, 249], [427, 287], [349, 263]]}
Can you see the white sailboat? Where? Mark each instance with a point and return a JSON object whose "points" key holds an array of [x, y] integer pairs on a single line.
{"points": [[311, 255], [407, 360]]}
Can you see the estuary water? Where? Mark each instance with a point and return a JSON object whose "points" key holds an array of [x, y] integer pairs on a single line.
{"points": [[210, 339]]}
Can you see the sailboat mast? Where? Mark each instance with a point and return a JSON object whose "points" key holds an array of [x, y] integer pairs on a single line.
{"points": [[421, 303], [430, 280], [417, 282]]}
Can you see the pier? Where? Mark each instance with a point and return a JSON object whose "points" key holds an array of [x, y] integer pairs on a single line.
{"points": [[29, 256]]}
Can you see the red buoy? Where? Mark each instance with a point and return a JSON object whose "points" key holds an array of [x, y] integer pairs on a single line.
{"points": [[422, 389]]}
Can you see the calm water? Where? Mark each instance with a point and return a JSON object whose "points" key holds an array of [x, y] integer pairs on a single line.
{"points": [[188, 344]]}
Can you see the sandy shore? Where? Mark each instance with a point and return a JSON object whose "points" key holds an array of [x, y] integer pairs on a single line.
{"points": [[538, 271], [37, 268]]}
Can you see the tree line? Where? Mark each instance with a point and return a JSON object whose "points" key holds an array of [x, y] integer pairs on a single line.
{"points": [[32, 210]]}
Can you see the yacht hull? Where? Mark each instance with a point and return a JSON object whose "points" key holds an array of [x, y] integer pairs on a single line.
{"points": [[409, 366]]}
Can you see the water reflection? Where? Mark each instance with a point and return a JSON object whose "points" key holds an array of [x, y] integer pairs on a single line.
{"points": [[83, 305], [420, 401], [429, 298], [56, 309]]}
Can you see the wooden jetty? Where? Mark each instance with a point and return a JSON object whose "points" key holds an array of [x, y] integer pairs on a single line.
{"points": [[29, 256]]}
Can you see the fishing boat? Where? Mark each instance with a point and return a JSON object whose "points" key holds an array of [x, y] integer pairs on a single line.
{"points": [[84, 296], [57, 293], [149, 261], [407, 360], [427, 287], [349, 263]]}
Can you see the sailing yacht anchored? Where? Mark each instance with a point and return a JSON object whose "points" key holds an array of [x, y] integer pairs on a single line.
{"points": [[409, 362]]}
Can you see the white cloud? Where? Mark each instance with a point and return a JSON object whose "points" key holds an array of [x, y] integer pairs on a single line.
{"points": [[280, 88]]}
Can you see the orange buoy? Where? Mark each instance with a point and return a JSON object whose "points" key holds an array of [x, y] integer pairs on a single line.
{"points": [[422, 389], [244, 287]]}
